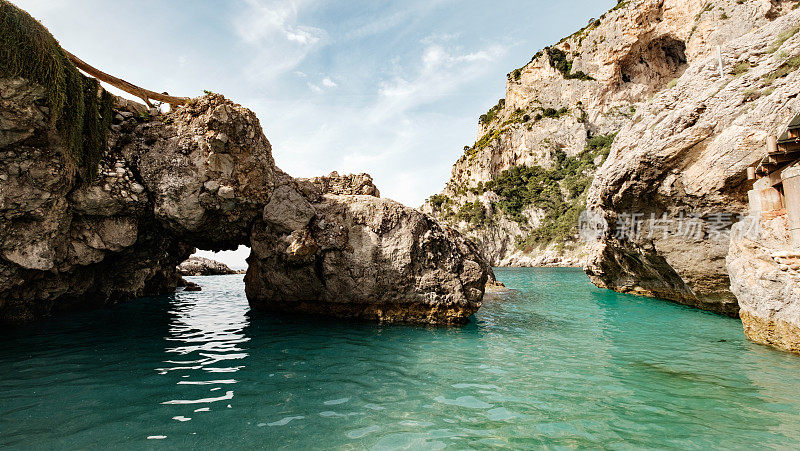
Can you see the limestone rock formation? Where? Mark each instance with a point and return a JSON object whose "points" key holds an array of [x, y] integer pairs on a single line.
{"points": [[76, 233], [685, 155], [765, 277], [359, 256], [350, 184], [630, 116], [63, 244], [519, 188], [204, 176], [200, 266]]}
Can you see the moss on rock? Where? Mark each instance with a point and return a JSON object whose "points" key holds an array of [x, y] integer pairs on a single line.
{"points": [[79, 109]]}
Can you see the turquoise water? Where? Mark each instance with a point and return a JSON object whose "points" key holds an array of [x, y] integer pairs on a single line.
{"points": [[558, 364]]}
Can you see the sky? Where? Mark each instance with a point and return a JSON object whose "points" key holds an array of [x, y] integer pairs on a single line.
{"points": [[394, 89]]}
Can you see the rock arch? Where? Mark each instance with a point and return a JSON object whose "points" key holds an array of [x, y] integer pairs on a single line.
{"points": [[77, 233], [203, 176]]}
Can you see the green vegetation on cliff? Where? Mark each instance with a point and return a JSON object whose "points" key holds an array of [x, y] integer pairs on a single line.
{"points": [[472, 212], [559, 191], [493, 112], [519, 116], [559, 62], [79, 109]]}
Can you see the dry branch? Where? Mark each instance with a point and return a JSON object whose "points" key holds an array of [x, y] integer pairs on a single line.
{"points": [[130, 88]]}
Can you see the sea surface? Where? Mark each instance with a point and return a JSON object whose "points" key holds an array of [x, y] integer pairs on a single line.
{"points": [[558, 363]]}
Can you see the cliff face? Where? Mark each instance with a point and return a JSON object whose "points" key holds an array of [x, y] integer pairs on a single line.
{"points": [[518, 191], [683, 160]]}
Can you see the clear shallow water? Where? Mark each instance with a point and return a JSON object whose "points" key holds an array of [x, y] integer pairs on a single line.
{"points": [[559, 364]]}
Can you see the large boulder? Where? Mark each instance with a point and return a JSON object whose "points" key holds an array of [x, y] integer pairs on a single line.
{"points": [[359, 256]]}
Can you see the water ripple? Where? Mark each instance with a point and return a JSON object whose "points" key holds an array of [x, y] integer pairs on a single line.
{"points": [[560, 364]]}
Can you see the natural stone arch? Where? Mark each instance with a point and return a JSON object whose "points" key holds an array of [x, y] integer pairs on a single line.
{"points": [[203, 176], [80, 232]]}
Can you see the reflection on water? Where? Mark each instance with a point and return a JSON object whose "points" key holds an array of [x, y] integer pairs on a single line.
{"points": [[558, 364], [205, 335]]}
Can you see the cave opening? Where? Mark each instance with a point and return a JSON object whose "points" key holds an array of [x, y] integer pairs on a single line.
{"points": [[654, 63]]}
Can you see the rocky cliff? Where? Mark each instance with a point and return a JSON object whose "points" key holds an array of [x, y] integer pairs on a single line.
{"points": [[101, 198], [358, 256], [681, 164], [631, 116]]}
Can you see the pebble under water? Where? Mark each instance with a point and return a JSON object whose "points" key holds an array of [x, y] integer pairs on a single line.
{"points": [[558, 363]]}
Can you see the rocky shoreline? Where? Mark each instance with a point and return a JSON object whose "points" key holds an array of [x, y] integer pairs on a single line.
{"points": [[200, 266], [766, 281]]}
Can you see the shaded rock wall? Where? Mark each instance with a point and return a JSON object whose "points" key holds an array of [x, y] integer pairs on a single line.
{"points": [[68, 244], [685, 154]]}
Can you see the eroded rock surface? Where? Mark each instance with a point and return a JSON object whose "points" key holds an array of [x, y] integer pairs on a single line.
{"points": [[359, 256], [685, 154], [203, 176], [65, 245], [765, 277]]}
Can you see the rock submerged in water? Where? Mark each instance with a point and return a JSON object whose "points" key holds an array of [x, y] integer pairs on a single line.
{"points": [[360, 256], [200, 266], [188, 285]]}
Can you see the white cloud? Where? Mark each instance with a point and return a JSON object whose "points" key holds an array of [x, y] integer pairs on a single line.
{"points": [[277, 41], [439, 38], [384, 133], [326, 83], [442, 73], [408, 12]]}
